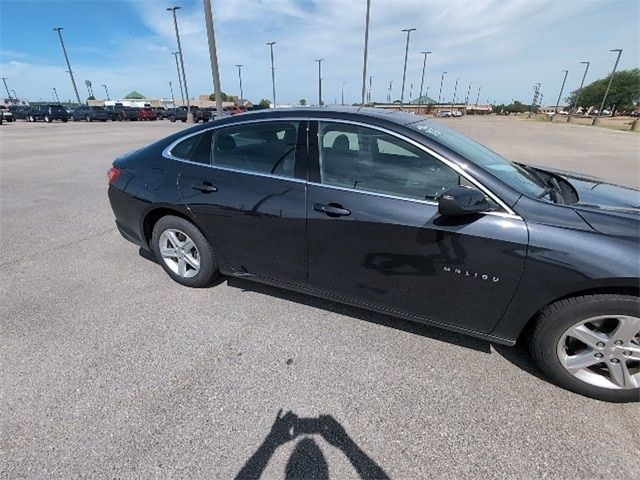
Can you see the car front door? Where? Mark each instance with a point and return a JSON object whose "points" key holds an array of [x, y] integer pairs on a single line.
{"points": [[245, 184], [375, 235]]}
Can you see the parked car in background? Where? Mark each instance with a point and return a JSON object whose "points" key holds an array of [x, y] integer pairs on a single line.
{"points": [[48, 113], [401, 215], [233, 110], [159, 112], [205, 114], [180, 113], [20, 112], [145, 113], [90, 114], [6, 114], [444, 113]]}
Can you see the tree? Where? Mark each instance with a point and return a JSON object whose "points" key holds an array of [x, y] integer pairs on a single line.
{"points": [[303, 102], [624, 92], [264, 103], [224, 96]]}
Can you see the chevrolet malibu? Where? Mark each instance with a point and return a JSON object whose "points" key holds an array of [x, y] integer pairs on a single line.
{"points": [[401, 215]]}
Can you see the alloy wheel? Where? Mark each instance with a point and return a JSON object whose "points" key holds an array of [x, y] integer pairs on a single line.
{"points": [[603, 351], [179, 253]]}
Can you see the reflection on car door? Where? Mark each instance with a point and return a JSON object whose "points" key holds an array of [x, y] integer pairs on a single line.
{"points": [[245, 186], [375, 235]]}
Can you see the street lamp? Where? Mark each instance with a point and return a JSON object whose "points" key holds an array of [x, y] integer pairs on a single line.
{"points": [[213, 56], [173, 100], [4, 80], [175, 55], [106, 90], [55, 95], [273, 73], [404, 70], [184, 76], [566, 72], [575, 104], [455, 92], [366, 48], [319, 60], [66, 57], [240, 78], [390, 92], [606, 92], [441, 82], [342, 92], [424, 66]]}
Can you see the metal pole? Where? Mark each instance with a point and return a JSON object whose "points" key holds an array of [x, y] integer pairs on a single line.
{"points": [[455, 92], [66, 57], [106, 91], [55, 95], [575, 104], [175, 55], [320, 81], [240, 78], [424, 67], [273, 74], [15, 96], [391, 91], [404, 70], [606, 92], [369, 94], [441, 82], [213, 56], [342, 93], [184, 75], [366, 49], [4, 80], [477, 100], [566, 72], [466, 100], [173, 100]]}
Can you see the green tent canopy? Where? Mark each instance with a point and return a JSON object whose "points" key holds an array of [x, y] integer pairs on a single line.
{"points": [[133, 95]]}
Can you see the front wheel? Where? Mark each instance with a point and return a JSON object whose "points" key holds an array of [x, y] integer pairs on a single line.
{"points": [[184, 252], [591, 345], [47, 119], [172, 119]]}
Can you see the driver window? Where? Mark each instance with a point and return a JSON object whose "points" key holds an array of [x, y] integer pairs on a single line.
{"points": [[366, 159]]}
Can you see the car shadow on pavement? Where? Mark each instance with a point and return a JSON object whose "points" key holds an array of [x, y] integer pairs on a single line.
{"points": [[307, 459]]}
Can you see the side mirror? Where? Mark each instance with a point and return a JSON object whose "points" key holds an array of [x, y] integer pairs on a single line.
{"points": [[461, 200]]}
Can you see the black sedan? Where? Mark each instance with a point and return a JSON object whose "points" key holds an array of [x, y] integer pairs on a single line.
{"points": [[399, 214]]}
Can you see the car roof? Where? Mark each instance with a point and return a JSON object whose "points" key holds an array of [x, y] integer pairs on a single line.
{"points": [[366, 113]]}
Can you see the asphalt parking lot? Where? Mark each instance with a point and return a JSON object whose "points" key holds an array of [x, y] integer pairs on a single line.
{"points": [[111, 370]]}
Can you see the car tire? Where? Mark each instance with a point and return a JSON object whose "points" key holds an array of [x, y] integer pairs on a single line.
{"points": [[172, 119], [65, 120], [30, 118], [184, 230], [183, 121], [47, 119], [588, 368]]}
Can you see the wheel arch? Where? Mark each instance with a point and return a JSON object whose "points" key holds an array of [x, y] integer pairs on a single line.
{"points": [[618, 289]]}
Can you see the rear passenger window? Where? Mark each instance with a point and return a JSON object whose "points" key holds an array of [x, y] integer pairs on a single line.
{"points": [[185, 148], [264, 147]]}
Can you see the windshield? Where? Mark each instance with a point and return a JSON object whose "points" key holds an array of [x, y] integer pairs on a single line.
{"points": [[510, 173], [97, 108]]}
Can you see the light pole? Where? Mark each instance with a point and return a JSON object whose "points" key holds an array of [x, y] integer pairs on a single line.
{"points": [[66, 57], [4, 80], [455, 92], [106, 90], [175, 55], [55, 95], [240, 79], [342, 92], [184, 75], [441, 82], [273, 73], [15, 96], [566, 72], [575, 104], [319, 60], [606, 92], [404, 70], [369, 93], [424, 67], [173, 100], [390, 92], [366, 48], [466, 100], [213, 55]]}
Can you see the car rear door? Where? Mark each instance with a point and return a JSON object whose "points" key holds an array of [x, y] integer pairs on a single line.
{"points": [[375, 235], [245, 184]]}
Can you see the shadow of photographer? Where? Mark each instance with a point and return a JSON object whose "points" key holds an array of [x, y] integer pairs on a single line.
{"points": [[307, 460]]}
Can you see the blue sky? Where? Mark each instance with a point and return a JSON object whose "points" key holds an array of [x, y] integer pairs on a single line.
{"points": [[505, 46]]}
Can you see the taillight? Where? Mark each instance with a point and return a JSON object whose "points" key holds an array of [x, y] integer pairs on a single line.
{"points": [[113, 174]]}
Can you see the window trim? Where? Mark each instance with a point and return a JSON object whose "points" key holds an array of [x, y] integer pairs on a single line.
{"points": [[313, 159]]}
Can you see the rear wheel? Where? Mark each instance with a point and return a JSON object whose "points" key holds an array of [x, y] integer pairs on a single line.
{"points": [[172, 118], [47, 119], [31, 119], [591, 345], [184, 252]]}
